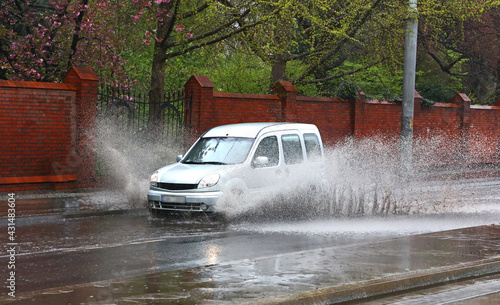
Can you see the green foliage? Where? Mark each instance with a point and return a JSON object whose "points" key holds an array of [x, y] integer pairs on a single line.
{"points": [[427, 103], [296, 68], [435, 92], [232, 71], [229, 71], [379, 82], [347, 91], [240, 72]]}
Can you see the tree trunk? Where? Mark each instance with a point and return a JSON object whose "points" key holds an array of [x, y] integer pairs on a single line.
{"points": [[278, 69], [76, 34], [282, 36], [157, 87]]}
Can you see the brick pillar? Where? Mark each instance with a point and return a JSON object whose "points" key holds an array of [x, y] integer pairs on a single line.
{"points": [[463, 101], [497, 154], [288, 96], [85, 82], [201, 113], [358, 116]]}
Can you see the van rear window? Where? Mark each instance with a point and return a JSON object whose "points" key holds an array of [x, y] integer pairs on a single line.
{"points": [[292, 150], [313, 148]]}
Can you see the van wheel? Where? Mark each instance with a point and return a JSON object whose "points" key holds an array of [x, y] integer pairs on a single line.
{"points": [[237, 194], [155, 213]]}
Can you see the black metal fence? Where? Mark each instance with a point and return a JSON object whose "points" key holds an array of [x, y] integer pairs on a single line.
{"points": [[160, 117]]}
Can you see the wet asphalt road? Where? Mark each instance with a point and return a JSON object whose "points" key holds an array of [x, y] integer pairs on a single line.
{"points": [[55, 251]]}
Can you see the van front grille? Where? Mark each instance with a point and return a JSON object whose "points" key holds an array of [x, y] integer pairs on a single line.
{"points": [[157, 205], [177, 186]]}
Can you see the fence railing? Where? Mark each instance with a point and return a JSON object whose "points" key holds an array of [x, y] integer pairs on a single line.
{"points": [[161, 117]]}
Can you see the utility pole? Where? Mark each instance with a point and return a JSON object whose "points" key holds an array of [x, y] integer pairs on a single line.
{"points": [[410, 63]]}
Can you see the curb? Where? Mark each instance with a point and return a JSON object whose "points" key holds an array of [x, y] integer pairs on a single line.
{"points": [[394, 284], [62, 204], [99, 213]]}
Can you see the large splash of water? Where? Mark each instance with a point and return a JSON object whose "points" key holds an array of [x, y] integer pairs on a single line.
{"points": [[126, 160], [362, 178]]}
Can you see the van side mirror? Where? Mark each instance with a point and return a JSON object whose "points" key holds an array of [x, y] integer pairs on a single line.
{"points": [[179, 158], [261, 161]]}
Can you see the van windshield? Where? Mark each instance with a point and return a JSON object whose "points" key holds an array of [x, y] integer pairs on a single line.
{"points": [[220, 150]]}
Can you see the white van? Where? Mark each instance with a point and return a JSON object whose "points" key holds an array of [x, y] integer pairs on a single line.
{"points": [[244, 160]]}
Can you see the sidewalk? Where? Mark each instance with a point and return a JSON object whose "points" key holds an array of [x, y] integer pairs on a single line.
{"points": [[67, 203], [323, 276]]}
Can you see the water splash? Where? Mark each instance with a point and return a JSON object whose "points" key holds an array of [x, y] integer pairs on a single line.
{"points": [[363, 178], [125, 161]]}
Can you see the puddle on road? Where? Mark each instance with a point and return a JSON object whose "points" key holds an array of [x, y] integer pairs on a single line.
{"points": [[364, 226], [41, 235]]}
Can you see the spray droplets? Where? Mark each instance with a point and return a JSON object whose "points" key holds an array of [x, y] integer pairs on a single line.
{"points": [[126, 160], [362, 179]]}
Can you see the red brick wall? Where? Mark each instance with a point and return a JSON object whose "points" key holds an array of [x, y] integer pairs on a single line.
{"points": [[463, 129], [333, 117], [484, 133], [42, 132]]}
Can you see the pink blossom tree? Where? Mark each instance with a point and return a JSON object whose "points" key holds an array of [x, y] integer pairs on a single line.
{"points": [[40, 40]]}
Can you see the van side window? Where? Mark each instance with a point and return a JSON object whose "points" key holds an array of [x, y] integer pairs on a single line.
{"points": [[292, 150], [313, 149], [268, 148]]}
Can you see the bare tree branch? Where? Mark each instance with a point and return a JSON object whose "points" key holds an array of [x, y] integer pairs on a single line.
{"points": [[348, 36], [324, 79], [210, 42]]}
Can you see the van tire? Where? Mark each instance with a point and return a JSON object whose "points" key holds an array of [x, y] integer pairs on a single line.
{"points": [[237, 194]]}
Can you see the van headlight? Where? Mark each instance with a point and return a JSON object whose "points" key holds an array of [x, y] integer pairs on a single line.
{"points": [[153, 181], [209, 181]]}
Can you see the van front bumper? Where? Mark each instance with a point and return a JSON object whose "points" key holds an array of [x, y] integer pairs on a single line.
{"points": [[183, 201]]}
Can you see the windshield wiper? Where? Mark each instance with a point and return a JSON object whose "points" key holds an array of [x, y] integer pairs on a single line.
{"points": [[205, 162]]}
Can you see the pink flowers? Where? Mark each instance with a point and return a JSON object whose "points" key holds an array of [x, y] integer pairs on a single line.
{"points": [[41, 53]]}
